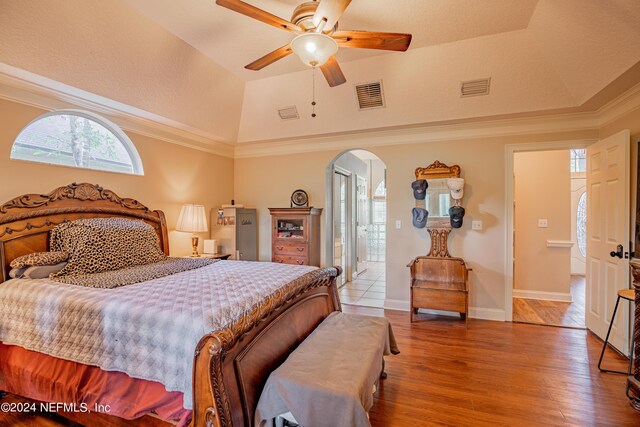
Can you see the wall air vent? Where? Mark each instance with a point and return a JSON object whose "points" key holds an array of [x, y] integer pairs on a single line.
{"points": [[370, 95], [475, 87], [288, 113]]}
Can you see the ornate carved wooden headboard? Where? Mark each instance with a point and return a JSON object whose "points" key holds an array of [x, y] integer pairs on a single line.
{"points": [[26, 220]]}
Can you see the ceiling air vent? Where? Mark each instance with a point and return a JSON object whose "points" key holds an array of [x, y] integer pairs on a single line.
{"points": [[475, 87], [289, 113], [370, 95]]}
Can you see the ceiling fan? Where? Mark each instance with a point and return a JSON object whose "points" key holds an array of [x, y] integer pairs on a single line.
{"points": [[318, 38]]}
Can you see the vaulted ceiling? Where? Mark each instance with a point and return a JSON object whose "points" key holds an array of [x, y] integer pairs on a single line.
{"points": [[541, 55], [184, 60]]}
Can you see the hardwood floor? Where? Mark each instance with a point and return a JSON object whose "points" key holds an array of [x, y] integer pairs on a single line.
{"points": [[490, 374], [554, 313]]}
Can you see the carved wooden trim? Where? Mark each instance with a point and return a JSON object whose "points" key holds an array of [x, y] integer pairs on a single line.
{"points": [[439, 238], [438, 170], [635, 272], [50, 223], [222, 341], [83, 191], [29, 226], [71, 210]]}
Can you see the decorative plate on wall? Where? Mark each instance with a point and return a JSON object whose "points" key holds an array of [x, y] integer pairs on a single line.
{"points": [[299, 198]]}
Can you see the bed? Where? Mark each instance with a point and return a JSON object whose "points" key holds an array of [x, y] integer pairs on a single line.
{"points": [[230, 364]]}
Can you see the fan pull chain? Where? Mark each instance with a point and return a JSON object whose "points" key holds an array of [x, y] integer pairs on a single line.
{"points": [[313, 100]]}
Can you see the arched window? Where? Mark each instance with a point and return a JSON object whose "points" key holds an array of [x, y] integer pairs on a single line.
{"points": [[78, 139]]}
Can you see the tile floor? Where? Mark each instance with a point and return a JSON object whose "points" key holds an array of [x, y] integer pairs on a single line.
{"points": [[368, 289]]}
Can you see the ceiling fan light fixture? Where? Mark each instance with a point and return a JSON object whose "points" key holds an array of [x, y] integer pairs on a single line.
{"points": [[314, 49]]}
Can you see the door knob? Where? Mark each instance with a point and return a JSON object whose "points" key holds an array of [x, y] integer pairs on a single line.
{"points": [[618, 252]]}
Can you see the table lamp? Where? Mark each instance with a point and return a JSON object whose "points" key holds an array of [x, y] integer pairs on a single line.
{"points": [[193, 219]]}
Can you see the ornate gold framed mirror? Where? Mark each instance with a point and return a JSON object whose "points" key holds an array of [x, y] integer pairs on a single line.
{"points": [[437, 202]]}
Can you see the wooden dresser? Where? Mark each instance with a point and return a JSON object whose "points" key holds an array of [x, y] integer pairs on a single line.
{"points": [[295, 236]]}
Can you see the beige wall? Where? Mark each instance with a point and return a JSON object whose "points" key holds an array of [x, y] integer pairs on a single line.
{"points": [[542, 191], [109, 48], [377, 168], [173, 174], [268, 182]]}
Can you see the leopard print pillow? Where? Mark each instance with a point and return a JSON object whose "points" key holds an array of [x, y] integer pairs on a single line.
{"points": [[105, 244], [39, 258], [135, 274]]}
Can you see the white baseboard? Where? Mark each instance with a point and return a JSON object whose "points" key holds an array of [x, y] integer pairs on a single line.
{"points": [[549, 296], [496, 314], [397, 304]]}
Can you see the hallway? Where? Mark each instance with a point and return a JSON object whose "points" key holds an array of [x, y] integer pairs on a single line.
{"points": [[368, 290], [554, 313]]}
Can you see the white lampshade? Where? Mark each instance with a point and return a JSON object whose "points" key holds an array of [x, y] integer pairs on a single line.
{"points": [[314, 49], [192, 219]]}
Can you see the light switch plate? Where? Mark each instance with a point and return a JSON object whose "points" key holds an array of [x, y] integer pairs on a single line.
{"points": [[476, 225], [398, 224], [543, 223]]}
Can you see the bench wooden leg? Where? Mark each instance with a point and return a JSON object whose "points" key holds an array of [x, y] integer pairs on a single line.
{"points": [[383, 374]]}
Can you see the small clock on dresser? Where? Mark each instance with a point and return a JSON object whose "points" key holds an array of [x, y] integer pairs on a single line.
{"points": [[299, 199]]}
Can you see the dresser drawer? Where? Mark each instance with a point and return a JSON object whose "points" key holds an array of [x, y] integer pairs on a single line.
{"points": [[438, 299], [300, 249], [288, 259]]}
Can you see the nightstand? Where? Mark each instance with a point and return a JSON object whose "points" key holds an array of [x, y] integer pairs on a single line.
{"points": [[213, 256]]}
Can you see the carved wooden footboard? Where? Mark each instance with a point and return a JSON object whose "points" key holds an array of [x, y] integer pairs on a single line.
{"points": [[231, 366], [633, 382]]}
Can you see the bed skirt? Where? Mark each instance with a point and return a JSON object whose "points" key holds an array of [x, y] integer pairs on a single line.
{"points": [[46, 378]]}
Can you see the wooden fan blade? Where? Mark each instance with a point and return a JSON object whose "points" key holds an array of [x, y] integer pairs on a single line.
{"points": [[259, 14], [331, 10], [332, 72], [270, 58], [372, 40]]}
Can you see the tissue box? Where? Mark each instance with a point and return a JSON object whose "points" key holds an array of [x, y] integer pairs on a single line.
{"points": [[210, 247]]}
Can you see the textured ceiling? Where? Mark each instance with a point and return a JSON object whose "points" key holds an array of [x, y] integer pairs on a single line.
{"points": [[184, 60], [542, 55], [233, 40]]}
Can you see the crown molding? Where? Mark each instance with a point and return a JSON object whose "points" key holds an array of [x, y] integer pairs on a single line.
{"points": [[27, 88], [519, 126], [620, 106], [31, 89], [415, 135]]}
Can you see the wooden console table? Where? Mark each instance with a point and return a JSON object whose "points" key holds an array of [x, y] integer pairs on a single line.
{"points": [[440, 284]]}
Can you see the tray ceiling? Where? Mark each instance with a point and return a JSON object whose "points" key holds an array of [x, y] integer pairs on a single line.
{"points": [[233, 40]]}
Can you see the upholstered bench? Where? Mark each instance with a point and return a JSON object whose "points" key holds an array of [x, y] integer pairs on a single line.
{"points": [[328, 380]]}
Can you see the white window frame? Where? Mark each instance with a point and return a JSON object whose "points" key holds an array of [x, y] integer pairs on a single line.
{"points": [[136, 161]]}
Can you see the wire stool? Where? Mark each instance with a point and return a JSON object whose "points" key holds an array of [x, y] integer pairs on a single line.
{"points": [[629, 295]]}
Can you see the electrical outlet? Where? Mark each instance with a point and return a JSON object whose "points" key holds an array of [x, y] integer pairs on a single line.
{"points": [[543, 223], [476, 225], [398, 224]]}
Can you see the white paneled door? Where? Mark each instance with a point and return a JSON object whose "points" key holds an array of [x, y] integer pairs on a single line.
{"points": [[608, 235]]}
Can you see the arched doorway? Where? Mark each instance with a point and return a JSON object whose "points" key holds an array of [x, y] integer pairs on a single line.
{"points": [[356, 225]]}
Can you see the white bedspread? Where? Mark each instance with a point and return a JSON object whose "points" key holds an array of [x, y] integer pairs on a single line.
{"points": [[148, 330]]}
